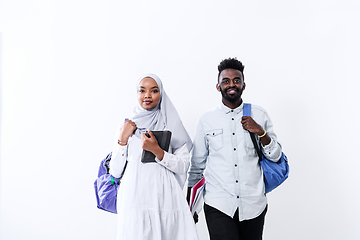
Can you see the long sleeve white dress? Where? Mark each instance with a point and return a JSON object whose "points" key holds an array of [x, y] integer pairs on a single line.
{"points": [[151, 204]]}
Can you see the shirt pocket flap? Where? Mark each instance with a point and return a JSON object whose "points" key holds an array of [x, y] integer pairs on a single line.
{"points": [[214, 132], [215, 138]]}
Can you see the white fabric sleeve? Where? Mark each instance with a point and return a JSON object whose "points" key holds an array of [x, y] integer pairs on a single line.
{"points": [[118, 157], [178, 161], [273, 150]]}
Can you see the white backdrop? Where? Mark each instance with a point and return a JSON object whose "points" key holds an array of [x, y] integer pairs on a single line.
{"points": [[68, 75]]}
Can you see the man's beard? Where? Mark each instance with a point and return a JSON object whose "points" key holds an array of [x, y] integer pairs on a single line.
{"points": [[232, 98]]}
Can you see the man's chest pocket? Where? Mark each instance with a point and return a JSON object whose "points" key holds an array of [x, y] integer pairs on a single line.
{"points": [[215, 138]]}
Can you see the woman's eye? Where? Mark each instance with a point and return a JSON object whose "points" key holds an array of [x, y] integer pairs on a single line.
{"points": [[155, 91], [141, 91]]}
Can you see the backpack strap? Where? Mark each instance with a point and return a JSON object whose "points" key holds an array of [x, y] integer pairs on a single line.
{"points": [[247, 110], [247, 113]]}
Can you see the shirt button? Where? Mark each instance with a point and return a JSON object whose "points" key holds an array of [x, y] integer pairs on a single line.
{"points": [[236, 181], [232, 118], [234, 149], [237, 196], [235, 165], [233, 133], [232, 110]]}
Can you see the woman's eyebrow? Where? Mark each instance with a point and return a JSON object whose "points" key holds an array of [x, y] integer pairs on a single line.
{"points": [[150, 88]]}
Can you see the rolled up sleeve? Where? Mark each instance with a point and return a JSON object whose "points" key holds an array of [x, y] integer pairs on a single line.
{"points": [[273, 150], [118, 157]]}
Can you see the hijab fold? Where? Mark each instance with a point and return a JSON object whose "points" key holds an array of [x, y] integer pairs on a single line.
{"points": [[163, 117]]}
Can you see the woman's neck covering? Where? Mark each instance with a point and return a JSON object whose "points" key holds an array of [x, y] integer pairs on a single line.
{"points": [[163, 117]]}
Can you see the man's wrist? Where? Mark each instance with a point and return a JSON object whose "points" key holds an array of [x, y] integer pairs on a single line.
{"points": [[259, 131], [262, 134]]}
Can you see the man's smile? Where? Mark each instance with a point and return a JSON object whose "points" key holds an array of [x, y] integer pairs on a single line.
{"points": [[232, 91]]}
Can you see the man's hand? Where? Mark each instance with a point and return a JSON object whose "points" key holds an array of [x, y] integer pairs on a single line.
{"points": [[196, 217], [249, 124]]}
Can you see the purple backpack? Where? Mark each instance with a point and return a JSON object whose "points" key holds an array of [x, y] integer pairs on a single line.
{"points": [[106, 186]]}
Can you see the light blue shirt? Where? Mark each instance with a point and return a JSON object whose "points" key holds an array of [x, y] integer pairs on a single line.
{"points": [[224, 153]]}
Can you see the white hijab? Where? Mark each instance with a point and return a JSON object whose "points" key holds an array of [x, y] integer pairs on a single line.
{"points": [[163, 117]]}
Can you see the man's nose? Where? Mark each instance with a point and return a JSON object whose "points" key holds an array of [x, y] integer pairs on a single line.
{"points": [[231, 83]]}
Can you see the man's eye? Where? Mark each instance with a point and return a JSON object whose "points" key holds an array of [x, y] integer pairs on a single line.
{"points": [[226, 82]]}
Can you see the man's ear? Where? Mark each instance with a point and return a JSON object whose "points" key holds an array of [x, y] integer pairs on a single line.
{"points": [[244, 85], [218, 87]]}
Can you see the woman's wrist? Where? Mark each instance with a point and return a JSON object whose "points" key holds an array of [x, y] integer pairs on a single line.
{"points": [[123, 140], [122, 143], [159, 153]]}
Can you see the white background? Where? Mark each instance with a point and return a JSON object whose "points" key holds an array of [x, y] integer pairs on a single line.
{"points": [[68, 77]]}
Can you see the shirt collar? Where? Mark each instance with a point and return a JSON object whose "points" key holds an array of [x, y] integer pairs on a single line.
{"points": [[236, 110]]}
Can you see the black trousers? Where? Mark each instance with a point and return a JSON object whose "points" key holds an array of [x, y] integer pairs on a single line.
{"points": [[223, 227]]}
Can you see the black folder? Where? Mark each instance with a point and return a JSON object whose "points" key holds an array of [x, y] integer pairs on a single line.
{"points": [[163, 138]]}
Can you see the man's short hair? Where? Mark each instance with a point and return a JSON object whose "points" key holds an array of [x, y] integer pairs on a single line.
{"points": [[232, 63]]}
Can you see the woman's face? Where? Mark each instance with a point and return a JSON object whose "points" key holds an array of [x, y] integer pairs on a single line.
{"points": [[148, 93]]}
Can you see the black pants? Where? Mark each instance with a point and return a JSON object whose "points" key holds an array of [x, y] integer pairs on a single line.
{"points": [[223, 227]]}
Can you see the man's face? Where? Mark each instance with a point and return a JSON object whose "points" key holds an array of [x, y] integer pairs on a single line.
{"points": [[231, 85]]}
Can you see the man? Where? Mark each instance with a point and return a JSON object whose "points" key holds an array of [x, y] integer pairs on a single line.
{"points": [[235, 200]]}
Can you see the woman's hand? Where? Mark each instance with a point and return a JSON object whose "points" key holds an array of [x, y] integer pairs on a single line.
{"points": [[151, 144], [125, 131]]}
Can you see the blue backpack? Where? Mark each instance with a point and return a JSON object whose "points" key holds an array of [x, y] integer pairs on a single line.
{"points": [[106, 186], [275, 173]]}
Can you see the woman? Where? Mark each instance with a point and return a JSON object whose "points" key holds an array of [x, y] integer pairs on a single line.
{"points": [[151, 203]]}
